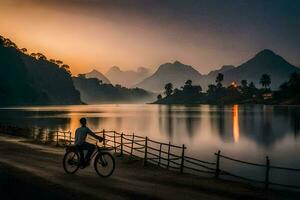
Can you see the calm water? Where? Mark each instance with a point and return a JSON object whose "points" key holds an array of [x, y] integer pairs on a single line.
{"points": [[243, 132]]}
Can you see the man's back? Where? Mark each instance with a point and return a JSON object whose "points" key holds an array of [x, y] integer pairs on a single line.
{"points": [[80, 135]]}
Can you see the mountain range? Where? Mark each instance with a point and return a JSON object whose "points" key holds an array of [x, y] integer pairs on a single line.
{"points": [[127, 78], [264, 62], [98, 75]]}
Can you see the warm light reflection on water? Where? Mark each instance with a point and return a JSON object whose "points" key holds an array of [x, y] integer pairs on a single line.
{"points": [[235, 123], [244, 132]]}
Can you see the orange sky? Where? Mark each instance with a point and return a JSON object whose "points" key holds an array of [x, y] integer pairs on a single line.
{"points": [[89, 38]]}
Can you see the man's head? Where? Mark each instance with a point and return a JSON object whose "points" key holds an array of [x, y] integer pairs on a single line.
{"points": [[83, 121]]}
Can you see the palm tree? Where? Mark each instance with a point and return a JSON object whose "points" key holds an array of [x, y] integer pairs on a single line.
{"points": [[219, 80], [168, 89], [265, 80], [244, 83]]}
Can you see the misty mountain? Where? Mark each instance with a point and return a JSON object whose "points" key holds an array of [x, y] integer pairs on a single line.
{"points": [[175, 73], [25, 80], [127, 78], [96, 74], [94, 92]]}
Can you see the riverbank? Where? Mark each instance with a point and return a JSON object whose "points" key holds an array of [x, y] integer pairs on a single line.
{"points": [[35, 171]]}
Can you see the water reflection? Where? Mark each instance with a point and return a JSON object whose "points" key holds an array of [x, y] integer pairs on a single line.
{"points": [[263, 125], [235, 123]]}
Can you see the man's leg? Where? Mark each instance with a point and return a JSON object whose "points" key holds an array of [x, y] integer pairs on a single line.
{"points": [[81, 154], [90, 148]]}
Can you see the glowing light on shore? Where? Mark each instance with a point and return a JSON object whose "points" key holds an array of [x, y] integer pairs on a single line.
{"points": [[235, 123]]}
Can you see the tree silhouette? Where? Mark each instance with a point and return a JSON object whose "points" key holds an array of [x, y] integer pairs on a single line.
{"points": [[265, 80], [168, 89], [23, 50], [188, 83], [59, 62], [219, 80], [159, 97], [211, 89], [244, 83]]}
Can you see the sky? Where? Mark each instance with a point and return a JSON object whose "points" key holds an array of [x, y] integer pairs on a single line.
{"points": [[99, 34]]}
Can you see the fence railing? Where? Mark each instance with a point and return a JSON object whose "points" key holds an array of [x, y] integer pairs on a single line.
{"points": [[44, 135], [165, 155]]}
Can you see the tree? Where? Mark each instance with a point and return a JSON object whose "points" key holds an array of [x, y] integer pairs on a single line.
{"points": [[265, 80], [188, 83], [168, 89], [159, 97], [244, 83], [219, 80], [59, 62], [176, 90], [211, 89], [23, 50], [40, 56]]}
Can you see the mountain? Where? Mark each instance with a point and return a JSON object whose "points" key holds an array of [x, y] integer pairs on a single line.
{"points": [[264, 62], [26, 80], [175, 73], [92, 92], [127, 78], [96, 74]]}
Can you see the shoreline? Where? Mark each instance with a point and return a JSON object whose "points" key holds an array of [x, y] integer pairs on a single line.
{"points": [[131, 179]]}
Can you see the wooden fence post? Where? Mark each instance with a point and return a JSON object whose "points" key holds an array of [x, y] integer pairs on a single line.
{"points": [[104, 138], [217, 172], [56, 137], [169, 148], [182, 159], [65, 138], [121, 144], [115, 142], [159, 157], [267, 173], [132, 145], [145, 156], [70, 142]]}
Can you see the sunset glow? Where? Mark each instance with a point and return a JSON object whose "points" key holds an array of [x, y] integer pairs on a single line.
{"points": [[101, 34]]}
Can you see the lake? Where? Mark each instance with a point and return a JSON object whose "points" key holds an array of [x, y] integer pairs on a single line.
{"points": [[246, 132]]}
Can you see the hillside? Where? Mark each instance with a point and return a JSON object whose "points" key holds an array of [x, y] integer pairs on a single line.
{"points": [[175, 73], [93, 92], [264, 62], [26, 80]]}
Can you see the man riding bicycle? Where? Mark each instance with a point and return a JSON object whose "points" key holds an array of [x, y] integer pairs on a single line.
{"points": [[81, 144]]}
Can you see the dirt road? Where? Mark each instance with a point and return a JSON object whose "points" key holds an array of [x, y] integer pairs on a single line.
{"points": [[35, 171]]}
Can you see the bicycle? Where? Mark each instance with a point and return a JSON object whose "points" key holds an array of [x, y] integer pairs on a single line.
{"points": [[104, 162]]}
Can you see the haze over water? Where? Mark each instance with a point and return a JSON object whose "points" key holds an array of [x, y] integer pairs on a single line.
{"points": [[244, 132]]}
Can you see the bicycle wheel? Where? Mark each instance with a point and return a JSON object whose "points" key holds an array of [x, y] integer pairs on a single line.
{"points": [[71, 162], [104, 164]]}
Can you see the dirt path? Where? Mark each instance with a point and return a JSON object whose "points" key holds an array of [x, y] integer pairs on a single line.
{"points": [[36, 171]]}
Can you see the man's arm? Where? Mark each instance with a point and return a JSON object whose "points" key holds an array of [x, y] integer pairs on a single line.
{"points": [[91, 133]]}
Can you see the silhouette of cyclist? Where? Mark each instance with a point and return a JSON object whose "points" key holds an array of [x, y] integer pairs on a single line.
{"points": [[81, 144]]}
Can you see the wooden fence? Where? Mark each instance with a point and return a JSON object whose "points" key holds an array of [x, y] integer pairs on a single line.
{"points": [[164, 155]]}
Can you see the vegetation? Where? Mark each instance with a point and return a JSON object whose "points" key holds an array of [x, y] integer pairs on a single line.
{"points": [[28, 79], [94, 91], [234, 93]]}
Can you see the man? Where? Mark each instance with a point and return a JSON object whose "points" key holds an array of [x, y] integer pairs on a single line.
{"points": [[80, 137]]}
